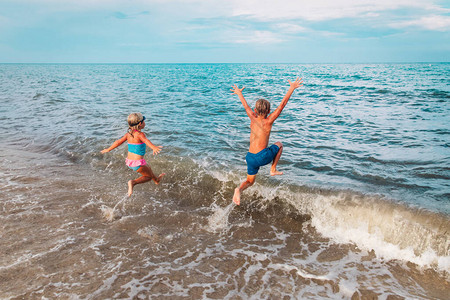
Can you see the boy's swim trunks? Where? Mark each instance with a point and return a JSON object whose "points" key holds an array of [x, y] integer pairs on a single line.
{"points": [[263, 157], [135, 164]]}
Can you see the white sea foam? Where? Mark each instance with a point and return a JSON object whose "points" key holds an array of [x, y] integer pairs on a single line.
{"points": [[218, 221], [391, 230], [149, 232], [29, 256], [109, 213], [112, 213]]}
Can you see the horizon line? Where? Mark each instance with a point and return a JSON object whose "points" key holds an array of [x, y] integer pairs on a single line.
{"points": [[222, 63]]}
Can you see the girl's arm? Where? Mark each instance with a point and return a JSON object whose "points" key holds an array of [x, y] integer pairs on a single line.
{"points": [[144, 139], [115, 144]]}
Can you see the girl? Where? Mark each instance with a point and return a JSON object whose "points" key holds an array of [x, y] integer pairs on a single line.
{"points": [[136, 150]]}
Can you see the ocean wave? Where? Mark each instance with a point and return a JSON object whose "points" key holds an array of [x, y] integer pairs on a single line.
{"points": [[438, 94], [434, 175], [397, 162], [330, 242], [391, 228], [394, 230], [373, 223]]}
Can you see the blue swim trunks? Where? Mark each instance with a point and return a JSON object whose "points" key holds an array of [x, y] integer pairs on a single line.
{"points": [[262, 158]]}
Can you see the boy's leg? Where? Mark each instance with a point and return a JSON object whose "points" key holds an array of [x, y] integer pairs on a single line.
{"points": [[273, 169], [147, 175], [244, 185]]}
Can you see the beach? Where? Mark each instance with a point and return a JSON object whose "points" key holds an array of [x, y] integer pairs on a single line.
{"points": [[362, 209]]}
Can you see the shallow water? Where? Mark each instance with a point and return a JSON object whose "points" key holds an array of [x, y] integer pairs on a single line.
{"points": [[363, 206]]}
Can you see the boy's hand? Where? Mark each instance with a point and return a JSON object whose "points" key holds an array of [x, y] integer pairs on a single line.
{"points": [[297, 83], [156, 150], [237, 90], [104, 151]]}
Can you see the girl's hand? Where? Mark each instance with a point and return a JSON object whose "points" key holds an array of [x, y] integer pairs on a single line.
{"points": [[104, 151], [156, 150], [297, 83], [237, 90]]}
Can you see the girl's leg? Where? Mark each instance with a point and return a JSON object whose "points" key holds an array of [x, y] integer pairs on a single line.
{"points": [[146, 171], [147, 175], [273, 169], [244, 185]]}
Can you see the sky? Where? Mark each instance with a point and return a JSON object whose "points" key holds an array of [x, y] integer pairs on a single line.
{"points": [[234, 31]]}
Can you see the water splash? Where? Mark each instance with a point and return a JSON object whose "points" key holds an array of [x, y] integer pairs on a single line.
{"points": [[219, 220], [110, 213]]}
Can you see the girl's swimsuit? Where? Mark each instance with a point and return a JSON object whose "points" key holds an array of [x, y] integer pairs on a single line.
{"points": [[135, 164], [138, 149], [262, 158]]}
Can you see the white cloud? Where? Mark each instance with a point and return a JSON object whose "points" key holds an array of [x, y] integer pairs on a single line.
{"points": [[313, 10], [261, 10], [294, 29], [434, 22], [320, 10], [290, 28], [257, 37]]}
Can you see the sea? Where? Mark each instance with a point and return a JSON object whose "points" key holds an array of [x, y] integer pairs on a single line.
{"points": [[362, 210]]}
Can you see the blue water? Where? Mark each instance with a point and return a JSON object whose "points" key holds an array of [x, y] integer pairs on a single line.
{"points": [[362, 208], [372, 128]]}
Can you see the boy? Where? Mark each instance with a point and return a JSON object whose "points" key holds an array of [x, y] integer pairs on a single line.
{"points": [[260, 127]]}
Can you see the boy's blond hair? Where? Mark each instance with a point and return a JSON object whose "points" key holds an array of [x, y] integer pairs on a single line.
{"points": [[262, 107]]}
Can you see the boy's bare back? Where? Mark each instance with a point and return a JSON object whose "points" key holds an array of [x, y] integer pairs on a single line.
{"points": [[260, 128]]}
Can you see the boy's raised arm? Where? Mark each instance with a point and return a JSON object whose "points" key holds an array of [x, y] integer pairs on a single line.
{"points": [[293, 85], [238, 92]]}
